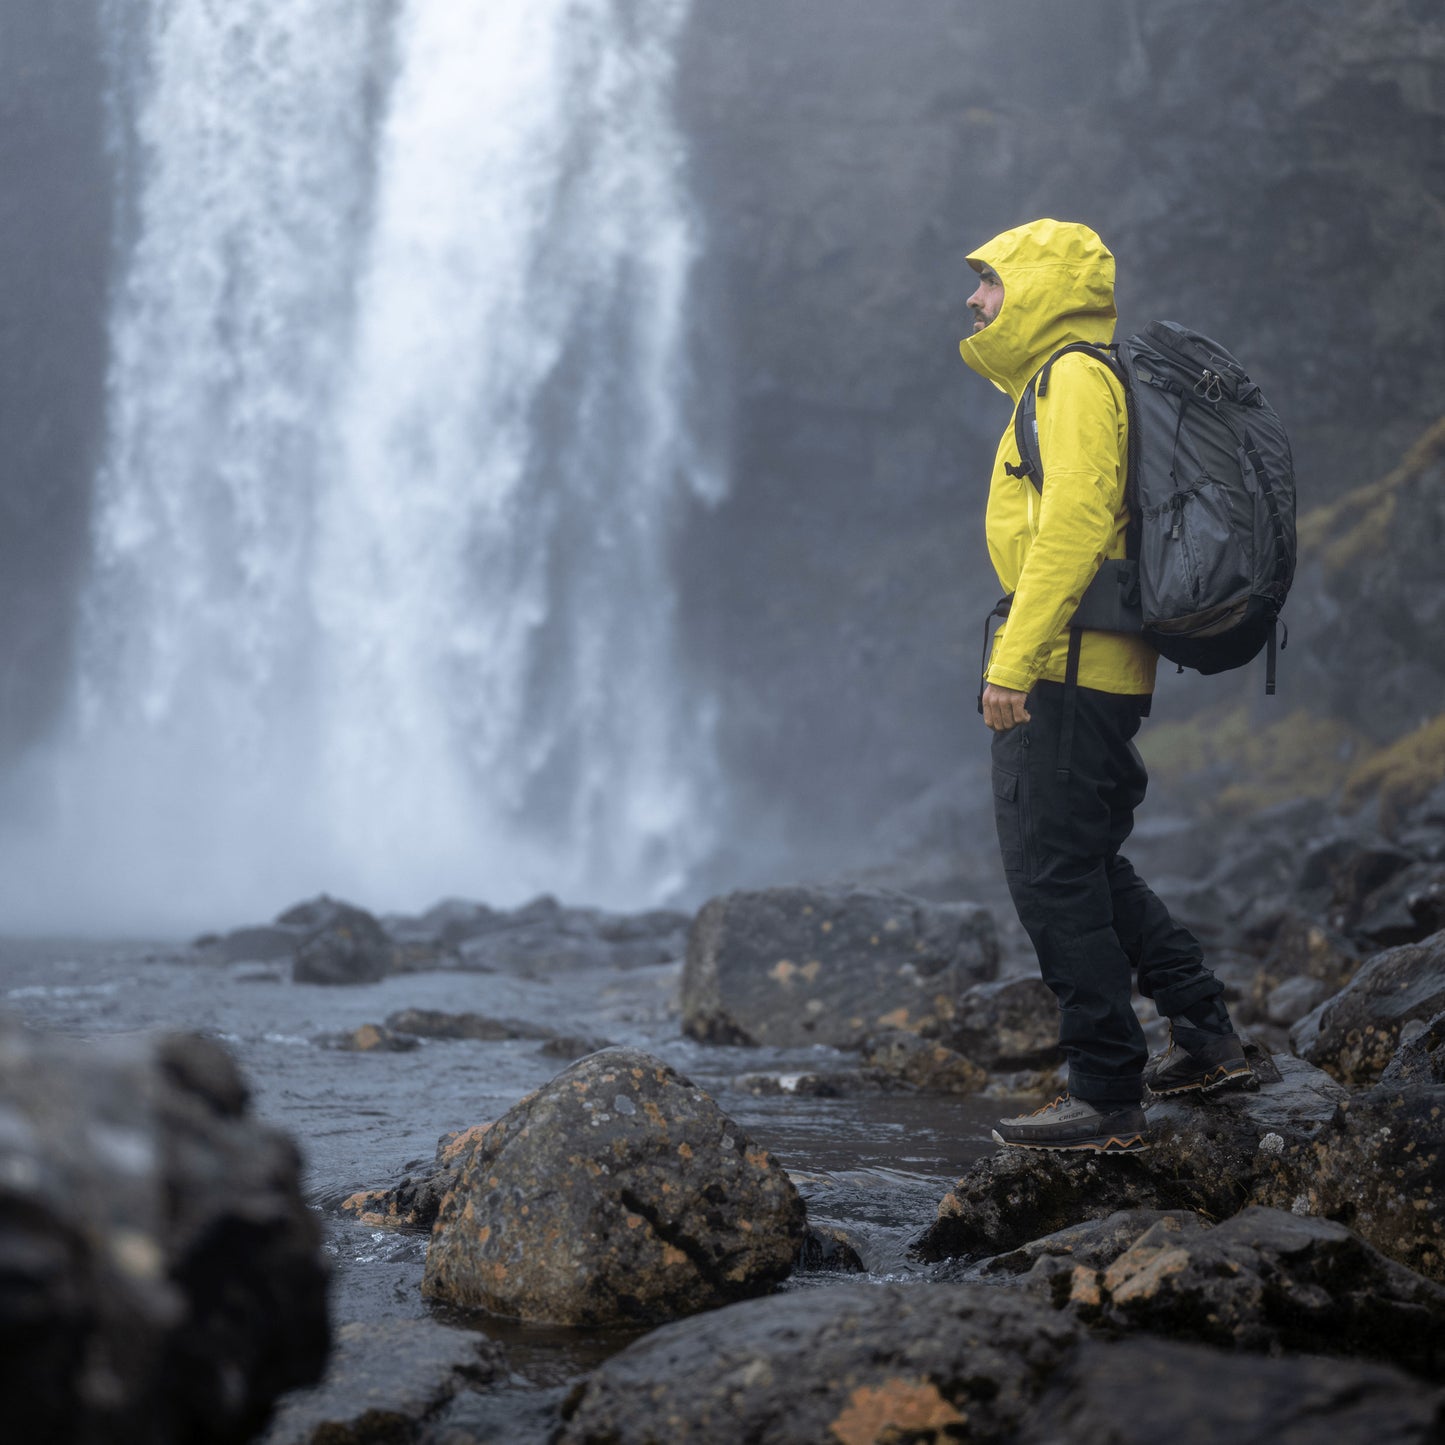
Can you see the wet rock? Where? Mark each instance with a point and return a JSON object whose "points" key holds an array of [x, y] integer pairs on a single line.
{"points": [[852, 1364], [544, 937], [1304, 948], [386, 1379], [415, 1199], [342, 944], [798, 966], [1407, 909], [370, 1039], [1268, 1280], [1012, 1024], [426, 1023], [1377, 1169], [1358, 877], [667, 1207], [923, 1064], [1093, 1244], [162, 1278], [264, 944], [1206, 1156], [1420, 1059], [1293, 999], [1355, 1033], [572, 1046], [828, 1250], [830, 1084], [1143, 1391]]}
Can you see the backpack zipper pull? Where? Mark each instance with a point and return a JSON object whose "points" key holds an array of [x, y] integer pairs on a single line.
{"points": [[1176, 505]]}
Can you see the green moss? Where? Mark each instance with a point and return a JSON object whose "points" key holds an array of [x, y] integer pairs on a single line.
{"points": [[1357, 525], [1240, 767], [1400, 775]]}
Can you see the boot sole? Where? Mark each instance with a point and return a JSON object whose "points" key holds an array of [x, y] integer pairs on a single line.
{"points": [[1114, 1144], [1208, 1084]]}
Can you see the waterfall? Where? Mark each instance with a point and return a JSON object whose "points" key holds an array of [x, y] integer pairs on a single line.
{"points": [[397, 446]]}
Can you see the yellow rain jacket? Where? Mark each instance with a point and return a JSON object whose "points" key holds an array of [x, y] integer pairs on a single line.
{"points": [[1058, 283]]}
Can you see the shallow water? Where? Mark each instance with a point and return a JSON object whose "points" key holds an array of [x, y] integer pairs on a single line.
{"points": [[874, 1166]]}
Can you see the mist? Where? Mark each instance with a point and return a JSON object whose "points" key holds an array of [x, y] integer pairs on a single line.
{"points": [[490, 450]]}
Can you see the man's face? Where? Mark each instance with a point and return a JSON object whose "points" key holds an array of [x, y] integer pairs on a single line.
{"points": [[986, 301]]}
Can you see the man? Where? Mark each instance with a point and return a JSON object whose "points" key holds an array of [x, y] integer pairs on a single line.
{"points": [[1066, 775]]}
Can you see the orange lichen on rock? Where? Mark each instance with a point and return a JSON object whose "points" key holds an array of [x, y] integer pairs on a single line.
{"points": [[896, 1409], [452, 1147]]}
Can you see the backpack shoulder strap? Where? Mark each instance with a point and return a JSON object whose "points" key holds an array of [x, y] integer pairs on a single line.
{"points": [[1026, 419]]}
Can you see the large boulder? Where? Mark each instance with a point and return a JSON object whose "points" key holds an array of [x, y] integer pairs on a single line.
{"points": [[799, 966], [852, 1364], [617, 1193], [861, 1365], [162, 1278], [1354, 1034], [341, 944]]}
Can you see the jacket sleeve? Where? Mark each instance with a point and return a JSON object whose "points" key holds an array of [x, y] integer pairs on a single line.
{"points": [[1081, 447]]}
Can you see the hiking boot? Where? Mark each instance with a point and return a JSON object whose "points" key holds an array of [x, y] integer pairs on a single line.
{"points": [[1183, 1071], [1070, 1123]]}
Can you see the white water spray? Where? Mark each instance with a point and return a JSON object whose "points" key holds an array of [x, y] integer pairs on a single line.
{"points": [[381, 600]]}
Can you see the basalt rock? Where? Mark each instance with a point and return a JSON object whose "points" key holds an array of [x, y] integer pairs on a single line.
{"points": [[386, 1380], [852, 1364], [1206, 1156], [1420, 1059], [1142, 1391], [1012, 1024], [798, 966], [1266, 1280], [1355, 1033], [923, 1064], [1092, 1245], [415, 1199], [617, 1193], [341, 944], [162, 1278], [427, 1023]]}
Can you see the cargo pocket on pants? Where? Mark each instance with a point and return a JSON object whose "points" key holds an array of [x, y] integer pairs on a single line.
{"points": [[1008, 820]]}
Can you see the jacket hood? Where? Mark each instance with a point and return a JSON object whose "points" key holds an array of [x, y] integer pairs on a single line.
{"points": [[1058, 287]]}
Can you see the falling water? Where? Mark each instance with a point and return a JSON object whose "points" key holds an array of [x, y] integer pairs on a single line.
{"points": [[380, 599]]}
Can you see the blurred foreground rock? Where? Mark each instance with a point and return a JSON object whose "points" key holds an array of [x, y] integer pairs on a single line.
{"points": [[617, 1193], [797, 966], [865, 1364], [386, 1379], [161, 1277]]}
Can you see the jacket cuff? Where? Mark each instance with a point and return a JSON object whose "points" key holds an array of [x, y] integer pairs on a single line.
{"points": [[1007, 677]]}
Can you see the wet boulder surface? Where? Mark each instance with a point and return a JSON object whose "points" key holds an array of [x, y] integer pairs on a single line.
{"points": [[619, 1193], [1354, 1033], [386, 1381], [797, 966], [162, 1278], [865, 1364]]}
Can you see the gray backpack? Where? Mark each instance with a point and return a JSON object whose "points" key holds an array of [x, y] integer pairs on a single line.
{"points": [[1210, 549]]}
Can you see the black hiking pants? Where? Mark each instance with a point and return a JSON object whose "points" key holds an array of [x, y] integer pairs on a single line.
{"points": [[1066, 785]]}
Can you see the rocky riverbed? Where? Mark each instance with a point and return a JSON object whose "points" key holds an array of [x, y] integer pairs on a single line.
{"points": [[597, 1177]]}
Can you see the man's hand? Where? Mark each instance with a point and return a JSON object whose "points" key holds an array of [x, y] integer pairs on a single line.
{"points": [[1004, 709]]}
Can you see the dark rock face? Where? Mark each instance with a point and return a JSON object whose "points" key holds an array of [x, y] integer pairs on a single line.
{"points": [[162, 1280], [853, 1364], [1207, 1156], [386, 1379], [795, 966], [863, 1365], [1012, 1024], [1420, 1059], [1355, 1034], [1192, 1395], [618, 1193]]}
